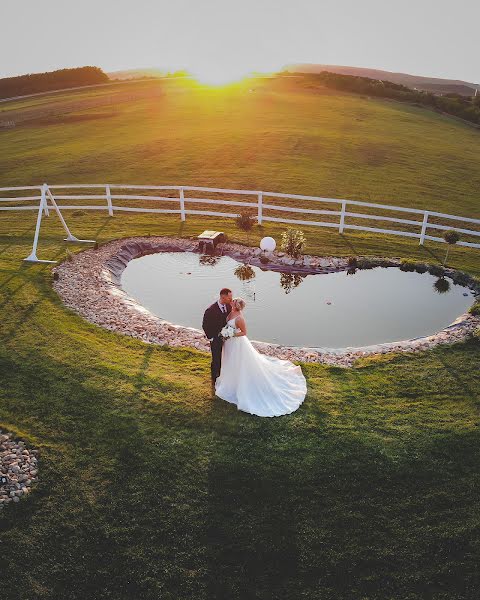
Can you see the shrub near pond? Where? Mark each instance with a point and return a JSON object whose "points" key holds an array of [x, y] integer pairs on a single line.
{"points": [[407, 265], [352, 261], [246, 221], [460, 278], [293, 242], [451, 237], [436, 270], [475, 308], [421, 267], [365, 263]]}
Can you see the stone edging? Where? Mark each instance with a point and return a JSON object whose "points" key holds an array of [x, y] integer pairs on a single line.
{"points": [[19, 464], [89, 284]]}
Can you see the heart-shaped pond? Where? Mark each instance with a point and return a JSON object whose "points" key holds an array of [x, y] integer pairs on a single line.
{"points": [[334, 310]]}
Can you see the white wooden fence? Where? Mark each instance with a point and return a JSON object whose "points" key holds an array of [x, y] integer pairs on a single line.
{"points": [[109, 197]]}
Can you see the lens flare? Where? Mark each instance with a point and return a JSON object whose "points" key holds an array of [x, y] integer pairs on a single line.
{"points": [[218, 75]]}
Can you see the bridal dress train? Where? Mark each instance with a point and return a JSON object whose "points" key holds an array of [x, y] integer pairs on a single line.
{"points": [[258, 384]]}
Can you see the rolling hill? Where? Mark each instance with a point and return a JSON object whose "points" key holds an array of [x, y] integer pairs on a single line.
{"points": [[431, 84]]}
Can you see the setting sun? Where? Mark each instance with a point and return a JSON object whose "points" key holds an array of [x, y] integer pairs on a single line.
{"points": [[218, 75]]}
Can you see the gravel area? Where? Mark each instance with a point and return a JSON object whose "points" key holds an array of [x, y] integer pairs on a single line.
{"points": [[19, 465], [90, 284]]}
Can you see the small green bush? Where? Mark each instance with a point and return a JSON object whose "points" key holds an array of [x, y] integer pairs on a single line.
{"points": [[406, 264], [475, 284], [421, 267], [293, 242], [365, 263], [352, 261], [436, 270], [245, 221], [461, 278], [475, 309], [451, 237], [384, 262]]}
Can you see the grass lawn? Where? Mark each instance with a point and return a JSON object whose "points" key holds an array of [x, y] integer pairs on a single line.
{"points": [[278, 137], [149, 488]]}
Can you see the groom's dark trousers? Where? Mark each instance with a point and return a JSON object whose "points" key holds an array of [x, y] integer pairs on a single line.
{"points": [[216, 347], [214, 320]]}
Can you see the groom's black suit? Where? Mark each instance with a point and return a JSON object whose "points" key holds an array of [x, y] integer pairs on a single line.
{"points": [[214, 320]]}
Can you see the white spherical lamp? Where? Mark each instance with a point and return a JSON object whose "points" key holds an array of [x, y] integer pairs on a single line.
{"points": [[268, 244]]}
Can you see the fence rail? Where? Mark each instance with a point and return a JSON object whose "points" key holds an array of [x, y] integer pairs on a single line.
{"points": [[111, 197]]}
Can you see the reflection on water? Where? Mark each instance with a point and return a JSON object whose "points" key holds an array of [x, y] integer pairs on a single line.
{"points": [[290, 281], [441, 286], [208, 259], [333, 310], [245, 272]]}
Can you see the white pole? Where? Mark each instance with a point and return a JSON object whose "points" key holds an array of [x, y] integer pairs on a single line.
{"points": [[260, 207], [182, 204], [70, 237], [424, 227], [342, 218], [109, 200], [33, 255]]}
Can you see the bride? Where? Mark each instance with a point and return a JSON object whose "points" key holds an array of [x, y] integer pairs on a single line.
{"points": [[258, 384]]}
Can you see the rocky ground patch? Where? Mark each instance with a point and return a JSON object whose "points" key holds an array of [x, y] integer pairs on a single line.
{"points": [[18, 469]]}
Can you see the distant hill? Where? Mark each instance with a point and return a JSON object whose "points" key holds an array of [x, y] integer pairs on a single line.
{"points": [[148, 73], [136, 74], [35, 83], [430, 84]]}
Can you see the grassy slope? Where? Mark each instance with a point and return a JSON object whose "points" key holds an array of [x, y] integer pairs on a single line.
{"points": [[276, 139], [151, 489]]}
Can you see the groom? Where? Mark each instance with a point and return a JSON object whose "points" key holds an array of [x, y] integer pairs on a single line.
{"points": [[214, 320]]}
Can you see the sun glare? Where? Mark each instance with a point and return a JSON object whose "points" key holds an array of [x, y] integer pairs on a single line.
{"points": [[217, 75]]}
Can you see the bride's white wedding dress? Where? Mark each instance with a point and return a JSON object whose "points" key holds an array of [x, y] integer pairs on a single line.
{"points": [[258, 384]]}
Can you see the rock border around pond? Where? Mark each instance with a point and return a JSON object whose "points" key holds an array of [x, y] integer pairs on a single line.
{"points": [[90, 284], [19, 464]]}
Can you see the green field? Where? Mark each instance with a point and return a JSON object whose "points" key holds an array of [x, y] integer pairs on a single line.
{"points": [[149, 487], [278, 137]]}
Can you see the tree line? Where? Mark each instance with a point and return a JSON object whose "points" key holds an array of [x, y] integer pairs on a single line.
{"points": [[464, 107], [52, 80]]}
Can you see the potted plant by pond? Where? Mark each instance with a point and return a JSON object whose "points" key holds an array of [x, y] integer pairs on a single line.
{"points": [[451, 237]]}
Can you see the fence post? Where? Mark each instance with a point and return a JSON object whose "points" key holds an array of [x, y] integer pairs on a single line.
{"points": [[342, 217], [424, 227], [109, 200], [182, 204], [260, 208], [33, 255]]}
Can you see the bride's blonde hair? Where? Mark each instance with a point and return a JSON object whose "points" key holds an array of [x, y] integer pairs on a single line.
{"points": [[239, 303]]}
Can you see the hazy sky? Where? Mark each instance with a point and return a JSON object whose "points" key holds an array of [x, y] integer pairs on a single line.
{"points": [[436, 38]]}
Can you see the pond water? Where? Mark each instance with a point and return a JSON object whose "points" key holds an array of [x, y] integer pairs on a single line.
{"points": [[334, 310]]}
